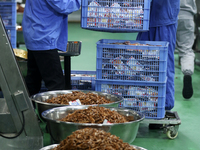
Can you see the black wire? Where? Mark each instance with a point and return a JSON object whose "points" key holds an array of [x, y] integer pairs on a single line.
{"points": [[22, 129]]}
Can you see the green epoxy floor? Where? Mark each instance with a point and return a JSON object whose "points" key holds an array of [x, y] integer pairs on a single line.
{"points": [[188, 110], [87, 59]]}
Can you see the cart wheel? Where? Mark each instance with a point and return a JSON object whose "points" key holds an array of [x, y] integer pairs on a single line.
{"points": [[172, 135]]}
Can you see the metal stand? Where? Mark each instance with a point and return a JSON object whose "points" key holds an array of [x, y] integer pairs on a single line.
{"points": [[19, 127], [73, 49], [67, 71]]}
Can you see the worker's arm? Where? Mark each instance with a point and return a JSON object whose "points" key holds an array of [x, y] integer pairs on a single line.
{"points": [[65, 6]]}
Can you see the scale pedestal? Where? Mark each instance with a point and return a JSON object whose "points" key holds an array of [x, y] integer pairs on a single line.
{"points": [[19, 127]]}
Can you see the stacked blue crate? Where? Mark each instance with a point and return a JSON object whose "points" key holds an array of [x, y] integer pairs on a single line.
{"points": [[135, 70], [8, 14]]}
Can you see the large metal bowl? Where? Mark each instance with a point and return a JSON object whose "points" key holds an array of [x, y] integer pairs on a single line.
{"points": [[60, 130], [41, 105], [50, 147]]}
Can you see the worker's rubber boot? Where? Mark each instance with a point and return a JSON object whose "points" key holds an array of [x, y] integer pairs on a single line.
{"points": [[187, 87]]}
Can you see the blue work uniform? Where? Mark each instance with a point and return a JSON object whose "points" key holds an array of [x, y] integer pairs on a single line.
{"points": [[45, 30], [162, 27], [45, 23]]}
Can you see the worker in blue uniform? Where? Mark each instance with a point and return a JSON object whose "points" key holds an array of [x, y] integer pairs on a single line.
{"points": [[162, 27], [45, 30]]}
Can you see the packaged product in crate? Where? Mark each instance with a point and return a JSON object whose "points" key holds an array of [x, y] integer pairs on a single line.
{"points": [[93, 10], [147, 98], [144, 98], [115, 15], [144, 61]]}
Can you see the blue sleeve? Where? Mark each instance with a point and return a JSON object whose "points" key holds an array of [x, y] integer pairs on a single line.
{"points": [[65, 6]]}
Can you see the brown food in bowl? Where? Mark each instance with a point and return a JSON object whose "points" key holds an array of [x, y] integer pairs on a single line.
{"points": [[97, 115], [85, 98], [92, 139]]}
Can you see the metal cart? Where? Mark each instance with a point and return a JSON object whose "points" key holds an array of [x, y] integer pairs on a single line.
{"points": [[170, 123]]}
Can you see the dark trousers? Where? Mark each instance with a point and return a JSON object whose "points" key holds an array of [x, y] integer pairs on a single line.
{"points": [[44, 65]]}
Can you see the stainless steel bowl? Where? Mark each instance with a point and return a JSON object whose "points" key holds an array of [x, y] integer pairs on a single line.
{"points": [[49, 147], [41, 105], [54, 145], [60, 130]]}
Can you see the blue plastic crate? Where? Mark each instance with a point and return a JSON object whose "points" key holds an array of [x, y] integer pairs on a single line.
{"points": [[83, 80], [7, 0], [11, 32], [8, 13], [142, 61], [80, 80], [147, 98], [116, 15]]}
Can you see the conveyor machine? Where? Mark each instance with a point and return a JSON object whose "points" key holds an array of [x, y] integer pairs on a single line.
{"points": [[19, 126]]}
